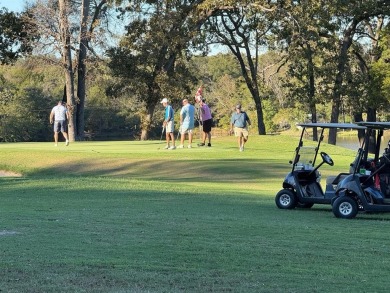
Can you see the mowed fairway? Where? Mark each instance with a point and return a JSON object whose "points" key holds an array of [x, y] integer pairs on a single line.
{"points": [[133, 217]]}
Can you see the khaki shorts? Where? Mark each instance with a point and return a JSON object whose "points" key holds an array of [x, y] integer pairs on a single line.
{"points": [[238, 131], [170, 127], [185, 130]]}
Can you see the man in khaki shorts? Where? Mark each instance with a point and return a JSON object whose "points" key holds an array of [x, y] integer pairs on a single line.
{"points": [[239, 122]]}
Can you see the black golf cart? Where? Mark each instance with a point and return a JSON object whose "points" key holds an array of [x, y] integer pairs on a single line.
{"points": [[367, 188], [301, 187]]}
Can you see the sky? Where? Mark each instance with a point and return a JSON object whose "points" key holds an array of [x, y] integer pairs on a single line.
{"points": [[13, 5]]}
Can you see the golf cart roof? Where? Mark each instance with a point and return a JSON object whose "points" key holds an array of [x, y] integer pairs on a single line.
{"points": [[335, 125], [375, 125]]}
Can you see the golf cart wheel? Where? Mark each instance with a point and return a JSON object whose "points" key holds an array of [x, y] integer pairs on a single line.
{"points": [[345, 207], [306, 205], [285, 199]]}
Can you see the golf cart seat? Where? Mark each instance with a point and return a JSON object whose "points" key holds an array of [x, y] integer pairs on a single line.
{"points": [[334, 180]]}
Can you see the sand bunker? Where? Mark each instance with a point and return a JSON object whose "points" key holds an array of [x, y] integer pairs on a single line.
{"points": [[9, 174]]}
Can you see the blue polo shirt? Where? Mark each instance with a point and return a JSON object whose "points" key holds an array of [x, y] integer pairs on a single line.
{"points": [[168, 116], [239, 119], [188, 114]]}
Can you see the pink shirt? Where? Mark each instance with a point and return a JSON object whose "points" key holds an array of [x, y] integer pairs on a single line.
{"points": [[206, 113]]}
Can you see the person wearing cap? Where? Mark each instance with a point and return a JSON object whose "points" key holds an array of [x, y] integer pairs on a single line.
{"points": [[206, 121], [187, 123], [239, 122], [169, 124], [59, 115]]}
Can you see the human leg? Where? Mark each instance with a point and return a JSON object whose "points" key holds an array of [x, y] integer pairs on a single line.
{"points": [[239, 141], [167, 138], [182, 137], [245, 136], [62, 126], [190, 138], [172, 135], [56, 138], [204, 137]]}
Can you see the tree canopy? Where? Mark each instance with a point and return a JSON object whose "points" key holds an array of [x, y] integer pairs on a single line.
{"points": [[288, 61]]}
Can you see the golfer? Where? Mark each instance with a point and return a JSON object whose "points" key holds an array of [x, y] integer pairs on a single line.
{"points": [[169, 124], [206, 120], [59, 114], [187, 117], [239, 122]]}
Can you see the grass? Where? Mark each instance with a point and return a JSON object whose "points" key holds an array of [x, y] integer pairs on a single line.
{"points": [[129, 217]]}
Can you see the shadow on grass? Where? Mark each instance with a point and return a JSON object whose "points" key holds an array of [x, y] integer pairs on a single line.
{"points": [[190, 171]]}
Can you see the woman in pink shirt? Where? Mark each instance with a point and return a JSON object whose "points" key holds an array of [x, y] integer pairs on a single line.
{"points": [[207, 121]]}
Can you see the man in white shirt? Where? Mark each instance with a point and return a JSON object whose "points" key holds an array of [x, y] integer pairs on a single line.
{"points": [[59, 114]]}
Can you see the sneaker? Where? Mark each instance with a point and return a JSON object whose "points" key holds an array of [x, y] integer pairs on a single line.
{"points": [[167, 147], [55, 144], [201, 144], [189, 146], [67, 142], [241, 149], [209, 144], [172, 148], [180, 146]]}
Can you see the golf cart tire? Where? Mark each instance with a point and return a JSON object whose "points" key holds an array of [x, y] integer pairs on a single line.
{"points": [[286, 199], [304, 205], [345, 207]]}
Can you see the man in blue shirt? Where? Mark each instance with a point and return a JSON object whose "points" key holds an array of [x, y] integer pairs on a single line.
{"points": [[168, 124], [187, 117], [239, 122]]}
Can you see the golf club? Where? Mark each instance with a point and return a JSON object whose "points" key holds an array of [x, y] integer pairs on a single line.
{"points": [[178, 133], [162, 133]]}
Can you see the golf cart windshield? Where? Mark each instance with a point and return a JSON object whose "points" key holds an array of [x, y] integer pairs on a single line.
{"points": [[305, 158]]}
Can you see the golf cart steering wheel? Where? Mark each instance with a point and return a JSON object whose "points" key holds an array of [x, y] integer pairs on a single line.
{"points": [[326, 158]]}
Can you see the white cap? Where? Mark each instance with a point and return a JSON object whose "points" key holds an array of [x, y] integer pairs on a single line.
{"points": [[165, 100]]}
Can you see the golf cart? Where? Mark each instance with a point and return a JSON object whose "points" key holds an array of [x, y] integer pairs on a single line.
{"points": [[367, 188], [301, 186]]}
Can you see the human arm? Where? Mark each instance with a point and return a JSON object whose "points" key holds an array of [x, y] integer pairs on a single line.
{"points": [[248, 120], [231, 124], [51, 117]]}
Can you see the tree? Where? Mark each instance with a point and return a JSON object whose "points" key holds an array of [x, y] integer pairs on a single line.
{"points": [[243, 29], [301, 35], [152, 57], [381, 68], [26, 94], [66, 28], [352, 16], [14, 40]]}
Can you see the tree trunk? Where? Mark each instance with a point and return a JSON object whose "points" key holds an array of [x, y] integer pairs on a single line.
{"points": [[312, 102], [336, 99], [81, 70], [251, 82], [67, 63], [146, 120]]}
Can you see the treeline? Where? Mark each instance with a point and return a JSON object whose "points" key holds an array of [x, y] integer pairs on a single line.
{"points": [[113, 61]]}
